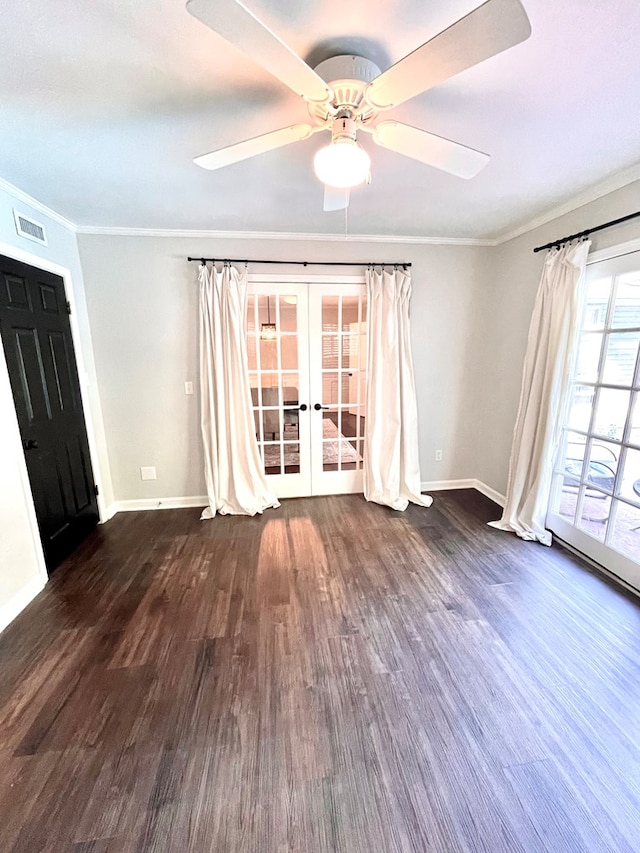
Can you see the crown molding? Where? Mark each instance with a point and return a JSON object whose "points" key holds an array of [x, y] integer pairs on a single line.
{"points": [[25, 198], [609, 185], [593, 193], [280, 235], [631, 246]]}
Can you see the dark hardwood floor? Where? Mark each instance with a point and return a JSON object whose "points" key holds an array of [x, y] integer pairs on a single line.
{"points": [[331, 676]]}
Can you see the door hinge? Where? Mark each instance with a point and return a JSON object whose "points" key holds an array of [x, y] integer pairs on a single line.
{"points": [[68, 304], [96, 490]]}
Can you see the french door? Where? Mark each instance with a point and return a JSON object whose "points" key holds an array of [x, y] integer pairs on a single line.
{"points": [[595, 502], [307, 346]]}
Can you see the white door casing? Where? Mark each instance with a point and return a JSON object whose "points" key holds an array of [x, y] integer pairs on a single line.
{"points": [[308, 381], [595, 500]]}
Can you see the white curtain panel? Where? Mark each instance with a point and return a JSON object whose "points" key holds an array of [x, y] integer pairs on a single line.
{"points": [[391, 466], [545, 382], [236, 483]]}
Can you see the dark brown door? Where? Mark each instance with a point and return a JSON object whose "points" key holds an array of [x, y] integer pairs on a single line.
{"points": [[36, 336]]}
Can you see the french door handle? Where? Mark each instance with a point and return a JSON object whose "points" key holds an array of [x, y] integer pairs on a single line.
{"points": [[30, 444], [303, 407], [318, 406]]}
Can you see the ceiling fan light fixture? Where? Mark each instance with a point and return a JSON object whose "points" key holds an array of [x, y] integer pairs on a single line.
{"points": [[342, 164]]}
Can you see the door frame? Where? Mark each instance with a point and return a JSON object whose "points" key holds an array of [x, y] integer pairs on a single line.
{"points": [[45, 264], [305, 280], [618, 566]]}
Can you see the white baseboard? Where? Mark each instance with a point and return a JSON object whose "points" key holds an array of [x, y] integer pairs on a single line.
{"points": [[496, 497], [145, 504], [443, 485], [109, 512], [159, 503], [17, 604]]}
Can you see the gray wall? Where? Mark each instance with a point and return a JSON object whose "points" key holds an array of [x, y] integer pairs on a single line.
{"points": [[470, 315], [503, 316], [142, 296], [20, 553]]}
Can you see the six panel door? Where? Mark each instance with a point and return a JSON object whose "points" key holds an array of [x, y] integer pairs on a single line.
{"points": [[36, 336]]}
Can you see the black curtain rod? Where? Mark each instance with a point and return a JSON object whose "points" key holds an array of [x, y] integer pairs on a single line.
{"points": [[404, 264], [586, 232]]}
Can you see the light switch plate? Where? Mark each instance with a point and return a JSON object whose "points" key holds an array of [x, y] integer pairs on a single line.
{"points": [[188, 387], [148, 473]]}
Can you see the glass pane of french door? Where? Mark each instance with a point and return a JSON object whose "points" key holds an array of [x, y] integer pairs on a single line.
{"points": [[277, 332], [307, 351], [595, 503], [338, 359]]}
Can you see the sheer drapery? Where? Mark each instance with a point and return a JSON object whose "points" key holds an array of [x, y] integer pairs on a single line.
{"points": [[236, 482], [545, 381], [391, 466]]}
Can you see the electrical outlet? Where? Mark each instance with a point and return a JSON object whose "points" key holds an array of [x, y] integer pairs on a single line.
{"points": [[438, 456], [148, 473]]}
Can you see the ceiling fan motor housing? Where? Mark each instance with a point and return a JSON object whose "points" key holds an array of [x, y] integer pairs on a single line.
{"points": [[348, 77]]}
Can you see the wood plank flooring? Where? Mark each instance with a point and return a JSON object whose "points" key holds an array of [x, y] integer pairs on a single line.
{"points": [[331, 676]]}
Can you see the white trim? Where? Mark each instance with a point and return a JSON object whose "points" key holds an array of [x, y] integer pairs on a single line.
{"points": [[20, 600], [490, 493], [443, 485], [601, 570], [144, 504], [65, 273], [25, 198], [609, 185], [593, 193], [282, 236], [614, 251], [109, 512], [478, 485]]}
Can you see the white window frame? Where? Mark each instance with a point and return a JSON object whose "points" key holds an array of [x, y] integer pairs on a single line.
{"points": [[601, 552]]}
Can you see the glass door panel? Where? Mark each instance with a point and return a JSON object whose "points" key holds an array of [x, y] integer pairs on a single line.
{"points": [[338, 353], [277, 332], [595, 501], [307, 351]]}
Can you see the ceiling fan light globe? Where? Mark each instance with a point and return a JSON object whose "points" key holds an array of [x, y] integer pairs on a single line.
{"points": [[342, 164]]}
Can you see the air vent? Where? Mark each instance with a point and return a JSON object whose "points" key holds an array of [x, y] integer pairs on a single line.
{"points": [[28, 228]]}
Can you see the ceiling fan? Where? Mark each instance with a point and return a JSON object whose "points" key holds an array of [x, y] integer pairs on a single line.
{"points": [[347, 93]]}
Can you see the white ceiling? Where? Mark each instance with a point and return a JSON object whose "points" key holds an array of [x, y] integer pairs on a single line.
{"points": [[104, 103]]}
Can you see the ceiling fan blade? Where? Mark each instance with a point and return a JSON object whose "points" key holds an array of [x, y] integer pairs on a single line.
{"points": [[430, 149], [256, 145], [335, 198], [485, 32], [235, 23]]}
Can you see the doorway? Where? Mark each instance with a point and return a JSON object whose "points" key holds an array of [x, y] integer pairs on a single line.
{"points": [[595, 501], [307, 353], [38, 346]]}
